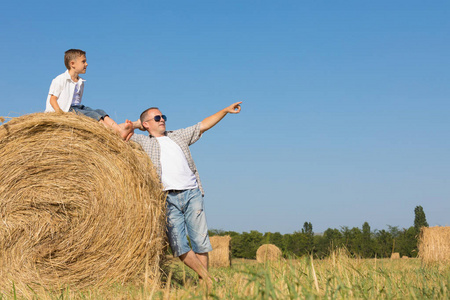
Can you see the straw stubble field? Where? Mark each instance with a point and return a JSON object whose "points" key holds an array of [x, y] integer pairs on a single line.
{"points": [[337, 277]]}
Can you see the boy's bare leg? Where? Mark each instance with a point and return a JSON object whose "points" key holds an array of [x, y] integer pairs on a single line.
{"points": [[191, 260], [124, 130]]}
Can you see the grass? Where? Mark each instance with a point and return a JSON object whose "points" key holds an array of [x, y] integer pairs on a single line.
{"points": [[337, 277]]}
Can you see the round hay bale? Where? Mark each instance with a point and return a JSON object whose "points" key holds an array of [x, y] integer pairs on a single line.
{"points": [[268, 252], [221, 254], [79, 207], [395, 255], [434, 244]]}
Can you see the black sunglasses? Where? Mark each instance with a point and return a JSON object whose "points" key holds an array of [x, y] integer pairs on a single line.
{"points": [[158, 118]]}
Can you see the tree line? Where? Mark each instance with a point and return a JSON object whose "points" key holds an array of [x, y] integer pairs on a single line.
{"points": [[360, 242]]}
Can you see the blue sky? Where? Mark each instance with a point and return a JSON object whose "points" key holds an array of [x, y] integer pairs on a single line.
{"points": [[345, 116]]}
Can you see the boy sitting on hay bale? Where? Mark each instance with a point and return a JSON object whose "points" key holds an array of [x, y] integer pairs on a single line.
{"points": [[169, 152], [66, 92]]}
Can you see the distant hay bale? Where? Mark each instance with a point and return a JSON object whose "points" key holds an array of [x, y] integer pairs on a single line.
{"points": [[405, 257], [395, 255], [221, 254], [79, 207], [268, 252], [434, 244]]}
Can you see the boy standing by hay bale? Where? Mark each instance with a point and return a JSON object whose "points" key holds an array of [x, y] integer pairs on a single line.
{"points": [[66, 92], [169, 152]]}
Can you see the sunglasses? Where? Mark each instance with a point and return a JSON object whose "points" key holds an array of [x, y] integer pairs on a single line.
{"points": [[158, 118]]}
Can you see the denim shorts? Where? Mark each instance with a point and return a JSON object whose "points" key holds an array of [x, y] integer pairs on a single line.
{"points": [[186, 217], [96, 114]]}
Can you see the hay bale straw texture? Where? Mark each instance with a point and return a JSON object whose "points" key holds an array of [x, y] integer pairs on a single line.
{"points": [[268, 252], [78, 206], [221, 254], [434, 244], [395, 255]]}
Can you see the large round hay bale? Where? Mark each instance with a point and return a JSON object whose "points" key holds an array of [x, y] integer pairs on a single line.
{"points": [[395, 255], [78, 206], [221, 254], [434, 244], [268, 252]]}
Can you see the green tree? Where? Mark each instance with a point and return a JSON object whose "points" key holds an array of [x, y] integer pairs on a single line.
{"points": [[287, 244], [275, 238], [309, 237], [353, 240], [246, 244], [321, 248], [407, 242], [419, 219], [333, 240], [384, 243], [367, 243], [296, 243]]}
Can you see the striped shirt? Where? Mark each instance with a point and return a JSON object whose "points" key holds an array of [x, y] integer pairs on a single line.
{"points": [[182, 137]]}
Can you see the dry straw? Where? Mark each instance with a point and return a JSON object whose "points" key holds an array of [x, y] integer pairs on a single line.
{"points": [[395, 255], [78, 206], [221, 254], [434, 244], [268, 252]]}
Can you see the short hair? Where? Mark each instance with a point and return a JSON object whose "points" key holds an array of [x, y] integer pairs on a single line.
{"points": [[72, 54], [142, 117]]}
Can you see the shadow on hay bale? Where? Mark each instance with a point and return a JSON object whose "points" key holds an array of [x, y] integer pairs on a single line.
{"points": [[221, 254], [434, 244], [78, 206], [268, 252]]}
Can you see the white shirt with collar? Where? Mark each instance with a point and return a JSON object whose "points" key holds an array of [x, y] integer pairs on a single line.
{"points": [[63, 87]]}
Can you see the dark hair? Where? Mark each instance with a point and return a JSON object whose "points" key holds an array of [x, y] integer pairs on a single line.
{"points": [[72, 54], [142, 117]]}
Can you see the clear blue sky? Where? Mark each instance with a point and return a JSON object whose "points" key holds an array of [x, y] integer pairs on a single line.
{"points": [[346, 103]]}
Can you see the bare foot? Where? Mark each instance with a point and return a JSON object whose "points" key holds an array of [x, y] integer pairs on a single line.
{"points": [[126, 130], [137, 124], [208, 282]]}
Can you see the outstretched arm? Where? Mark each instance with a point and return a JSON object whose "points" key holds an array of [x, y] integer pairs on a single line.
{"points": [[210, 121]]}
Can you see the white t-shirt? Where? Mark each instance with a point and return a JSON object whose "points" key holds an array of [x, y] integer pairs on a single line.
{"points": [[176, 174], [77, 93]]}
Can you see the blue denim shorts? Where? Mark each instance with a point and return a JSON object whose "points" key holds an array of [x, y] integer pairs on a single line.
{"points": [[96, 114], [186, 217]]}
